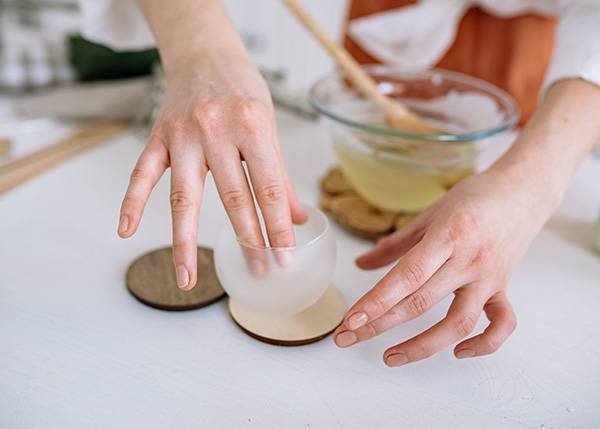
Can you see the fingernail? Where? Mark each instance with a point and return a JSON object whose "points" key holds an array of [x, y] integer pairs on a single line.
{"points": [[357, 320], [257, 267], [183, 277], [345, 339], [123, 224], [397, 359], [464, 353]]}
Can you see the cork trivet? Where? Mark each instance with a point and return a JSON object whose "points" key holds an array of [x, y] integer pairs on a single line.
{"points": [[355, 214], [360, 217], [151, 279], [403, 220], [309, 326], [335, 183]]}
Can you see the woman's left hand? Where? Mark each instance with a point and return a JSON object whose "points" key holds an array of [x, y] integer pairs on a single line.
{"points": [[468, 244]]}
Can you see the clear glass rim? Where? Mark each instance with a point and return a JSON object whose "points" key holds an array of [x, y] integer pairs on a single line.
{"points": [[505, 98], [313, 240]]}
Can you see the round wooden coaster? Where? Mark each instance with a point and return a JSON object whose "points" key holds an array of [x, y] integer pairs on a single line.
{"points": [[309, 326], [151, 279]]}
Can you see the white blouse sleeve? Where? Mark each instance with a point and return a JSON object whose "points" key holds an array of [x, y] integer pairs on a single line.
{"points": [[577, 48], [119, 24]]}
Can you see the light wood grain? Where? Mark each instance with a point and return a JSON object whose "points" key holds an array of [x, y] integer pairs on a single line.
{"points": [[151, 279], [26, 168], [308, 326], [5, 146]]}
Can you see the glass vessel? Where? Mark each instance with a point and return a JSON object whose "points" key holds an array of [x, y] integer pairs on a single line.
{"points": [[276, 280], [402, 171]]}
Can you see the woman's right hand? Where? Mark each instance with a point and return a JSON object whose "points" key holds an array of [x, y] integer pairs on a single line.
{"points": [[216, 113]]}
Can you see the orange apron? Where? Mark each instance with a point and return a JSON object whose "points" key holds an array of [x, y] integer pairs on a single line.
{"points": [[512, 53]]}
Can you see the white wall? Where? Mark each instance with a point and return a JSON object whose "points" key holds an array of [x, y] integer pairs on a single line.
{"points": [[288, 45]]}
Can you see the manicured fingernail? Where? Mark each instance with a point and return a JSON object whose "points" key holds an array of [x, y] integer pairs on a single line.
{"points": [[345, 339], [123, 224], [257, 267], [183, 277], [464, 353], [397, 359], [357, 320]]}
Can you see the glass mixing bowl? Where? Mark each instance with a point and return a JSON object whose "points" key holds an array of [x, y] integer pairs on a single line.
{"points": [[278, 281], [402, 171]]}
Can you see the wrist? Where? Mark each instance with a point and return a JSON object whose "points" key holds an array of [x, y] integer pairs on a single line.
{"points": [[201, 58], [190, 33], [531, 185], [553, 143]]}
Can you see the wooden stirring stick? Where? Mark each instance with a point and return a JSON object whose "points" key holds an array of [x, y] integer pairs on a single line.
{"points": [[5, 145], [19, 171], [398, 116]]}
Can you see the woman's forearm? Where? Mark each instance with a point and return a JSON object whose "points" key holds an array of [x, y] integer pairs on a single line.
{"points": [[191, 30], [554, 142]]}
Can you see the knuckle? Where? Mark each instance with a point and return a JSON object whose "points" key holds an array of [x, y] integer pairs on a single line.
{"points": [[233, 199], [251, 110], [483, 257], [424, 350], [209, 113], [129, 201], [490, 344], [371, 330], [139, 174], [253, 115], [209, 117], [511, 323], [270, 194], [418, 302], [379, 304], [180, 201], [280, 236], [396, 312], [465, 325], [180, 251], [462, 222], [413, 275]]}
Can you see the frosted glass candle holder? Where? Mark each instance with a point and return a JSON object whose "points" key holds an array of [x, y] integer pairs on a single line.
{"points": [[278, 281]]}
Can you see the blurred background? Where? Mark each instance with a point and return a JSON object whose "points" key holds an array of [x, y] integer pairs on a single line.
{"points": [[51, 75], [48, 70]]}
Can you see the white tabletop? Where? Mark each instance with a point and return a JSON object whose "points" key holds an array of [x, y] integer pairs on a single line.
{"points": [[76, 350]]}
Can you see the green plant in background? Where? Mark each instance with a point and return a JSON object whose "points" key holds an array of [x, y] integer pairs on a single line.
{"points": [[92, 61]]}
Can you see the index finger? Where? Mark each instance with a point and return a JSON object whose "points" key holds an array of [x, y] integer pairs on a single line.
{"points": [[187, 182], [412, 271]]}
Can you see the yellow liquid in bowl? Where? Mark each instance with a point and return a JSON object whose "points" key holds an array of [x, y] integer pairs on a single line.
{"points": [[393, 184]]}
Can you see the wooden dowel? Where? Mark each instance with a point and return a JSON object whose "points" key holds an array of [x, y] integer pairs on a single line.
{"points": [[354, 71], [23, 169]]}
